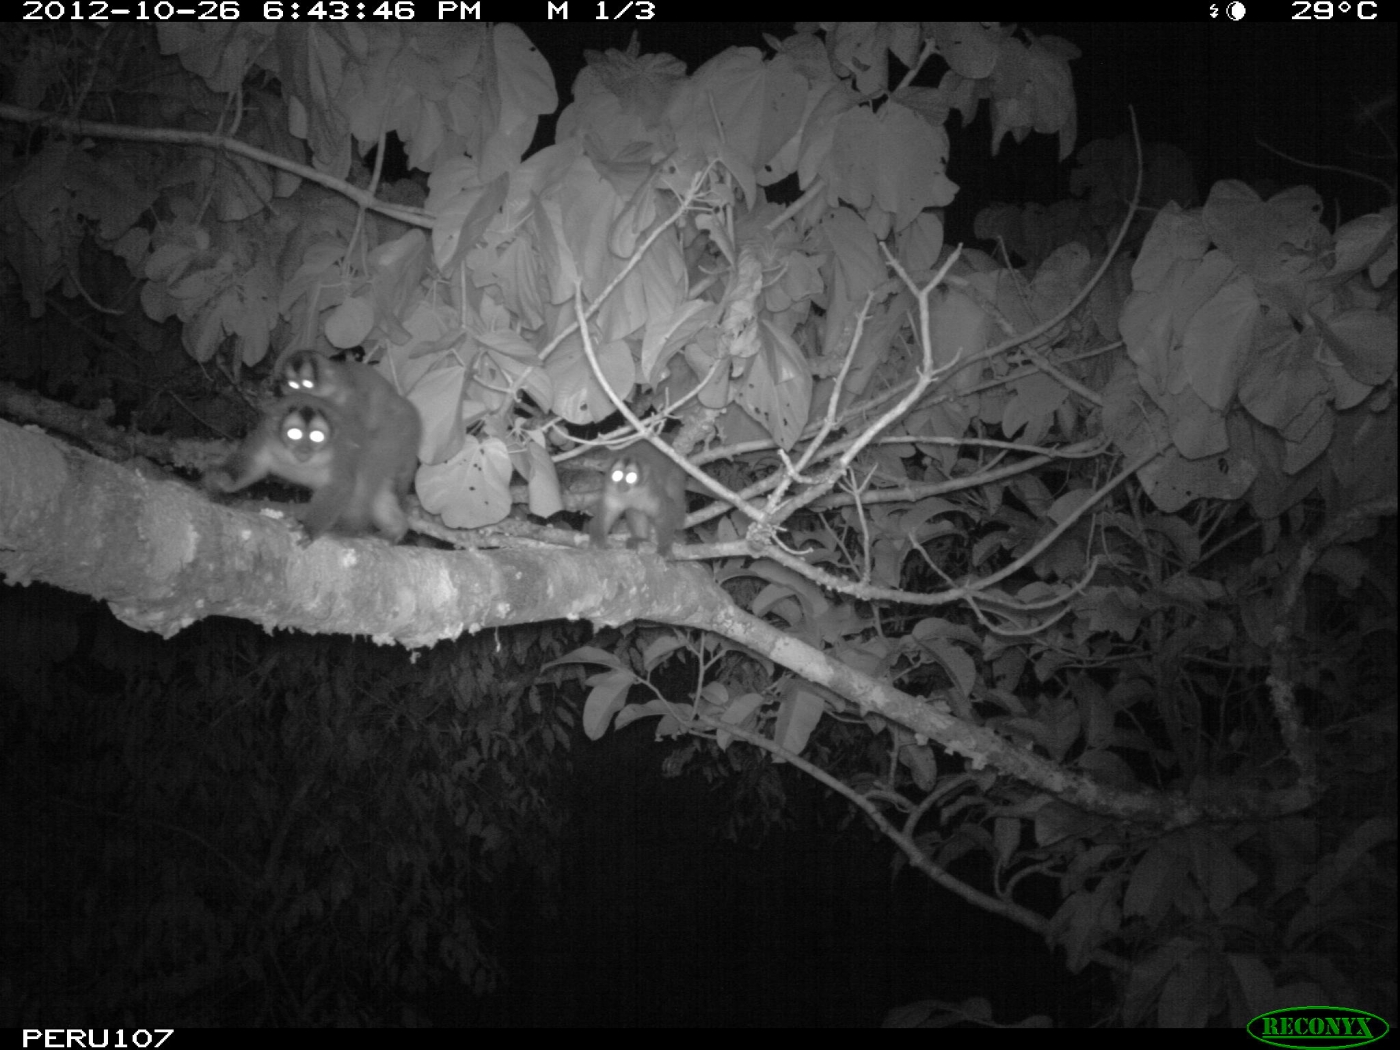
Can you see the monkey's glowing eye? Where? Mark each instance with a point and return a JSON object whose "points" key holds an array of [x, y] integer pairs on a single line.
{"points": [[632, 475], [302, 373], [299, 429]]}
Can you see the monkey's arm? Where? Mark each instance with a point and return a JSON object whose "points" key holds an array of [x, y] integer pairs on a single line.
{"points": [[248, 464]]}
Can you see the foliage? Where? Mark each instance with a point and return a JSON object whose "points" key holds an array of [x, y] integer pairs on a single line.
{"points": [[233, 832], [1063, 504]]}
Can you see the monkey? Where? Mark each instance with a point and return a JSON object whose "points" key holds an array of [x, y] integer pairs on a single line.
{"points": [[384, 422], [643, 485], [351, 386], [357, 477]]}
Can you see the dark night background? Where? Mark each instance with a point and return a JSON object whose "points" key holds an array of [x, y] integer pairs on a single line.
{"points": [[660, 920]]}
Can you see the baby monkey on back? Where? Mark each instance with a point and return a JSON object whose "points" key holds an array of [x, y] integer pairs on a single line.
{"points": [[342, 431], [646, 488]]}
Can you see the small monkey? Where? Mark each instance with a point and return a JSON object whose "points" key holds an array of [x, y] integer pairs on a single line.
{"points": [[384, 423], [352, 387], [649, 490], [357, 478]]}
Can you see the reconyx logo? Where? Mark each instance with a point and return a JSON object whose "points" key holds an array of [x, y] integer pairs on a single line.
{"points": [[1315, 1027]]}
